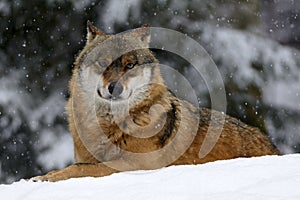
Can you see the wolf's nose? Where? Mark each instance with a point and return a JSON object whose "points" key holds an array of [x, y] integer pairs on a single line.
{"points": [[115, 89]]}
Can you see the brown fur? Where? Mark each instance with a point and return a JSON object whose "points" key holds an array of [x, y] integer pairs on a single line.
{"points": [[113, 155]]}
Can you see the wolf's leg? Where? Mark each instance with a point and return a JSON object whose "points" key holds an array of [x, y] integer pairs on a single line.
{"points": [[76, 171]]}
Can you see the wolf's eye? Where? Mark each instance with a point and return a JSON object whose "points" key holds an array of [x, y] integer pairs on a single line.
{"points": [[130, 65], [102, 63]]}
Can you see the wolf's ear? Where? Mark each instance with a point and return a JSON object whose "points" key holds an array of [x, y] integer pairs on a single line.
{"points": [[92, 32], [143, 35]]}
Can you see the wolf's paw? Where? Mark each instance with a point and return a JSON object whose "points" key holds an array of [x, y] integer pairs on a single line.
{"points": [[51, 177], [37, 179]]}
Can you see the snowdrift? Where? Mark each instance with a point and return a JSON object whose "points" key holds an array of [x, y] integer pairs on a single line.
{"points": [[269, 177]]}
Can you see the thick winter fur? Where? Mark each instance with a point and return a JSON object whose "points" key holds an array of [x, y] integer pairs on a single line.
{"points": [[121, 114]]}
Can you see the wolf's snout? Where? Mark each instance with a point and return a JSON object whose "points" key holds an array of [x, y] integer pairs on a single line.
{"points": [[115, 89]]}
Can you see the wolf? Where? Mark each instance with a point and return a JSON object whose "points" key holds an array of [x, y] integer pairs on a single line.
{"points": [[123, 117]]}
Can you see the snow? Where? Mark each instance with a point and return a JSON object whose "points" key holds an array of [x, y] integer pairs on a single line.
{"points": [[60, 153], [269, 177], [278, 62], [277, 75], [277, 93], [246, 58], [121, 11], [55, 145]]}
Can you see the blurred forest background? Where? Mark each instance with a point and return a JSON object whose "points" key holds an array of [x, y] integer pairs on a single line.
{"points": [[255, 44]]}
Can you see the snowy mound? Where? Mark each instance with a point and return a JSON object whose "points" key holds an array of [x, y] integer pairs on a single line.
{"points": [[270, 177]]}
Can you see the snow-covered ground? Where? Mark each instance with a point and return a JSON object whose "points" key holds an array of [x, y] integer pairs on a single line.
{"points": [[269, 177]]}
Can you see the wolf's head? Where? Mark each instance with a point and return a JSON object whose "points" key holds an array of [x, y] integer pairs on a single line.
{"points": [[118, 69]]}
